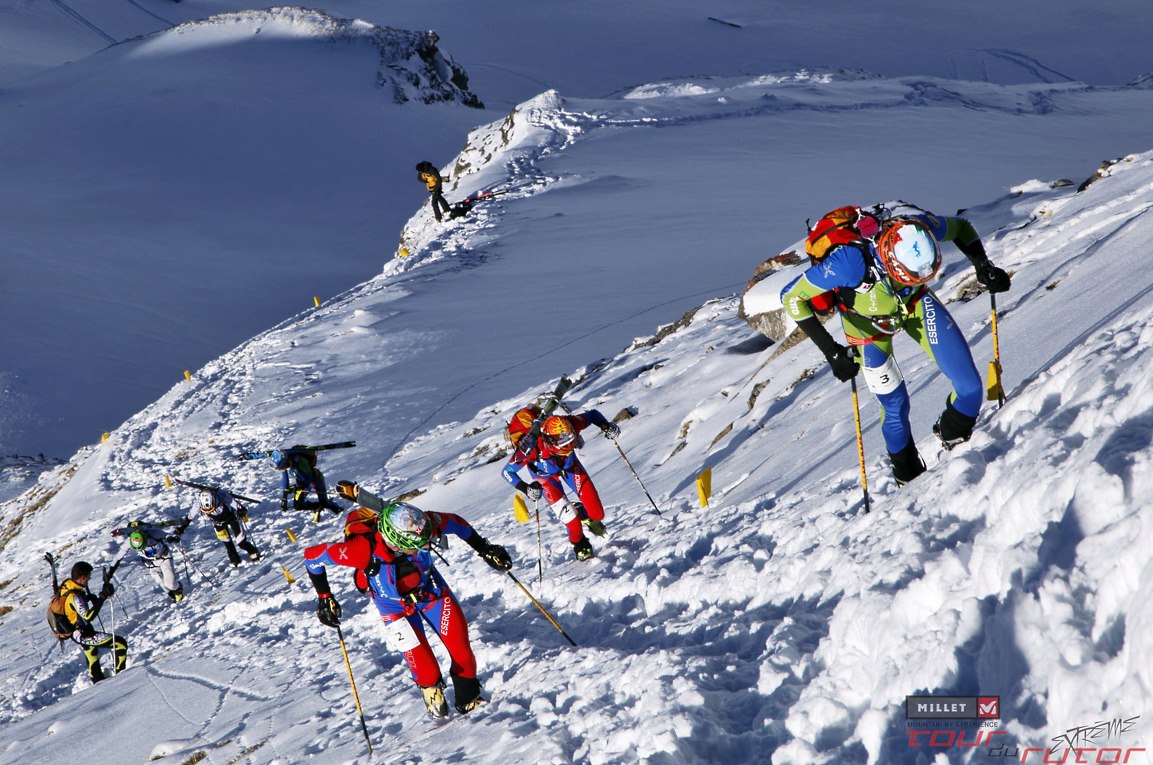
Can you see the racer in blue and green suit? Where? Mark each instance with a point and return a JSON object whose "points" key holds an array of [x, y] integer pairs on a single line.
{"points": [[880, 287]]}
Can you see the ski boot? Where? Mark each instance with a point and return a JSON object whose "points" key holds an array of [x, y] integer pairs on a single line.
{"points": [[583, 549], [177, 595], [434, 700], [596, 528], [467, 693], [952, 427], [327, 503], [248, 547], [907, 464]]}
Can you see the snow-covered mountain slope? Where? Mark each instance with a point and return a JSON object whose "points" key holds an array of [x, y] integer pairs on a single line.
{"points": [[216, 189], [778, 624], [517, 51], [175, 194]]}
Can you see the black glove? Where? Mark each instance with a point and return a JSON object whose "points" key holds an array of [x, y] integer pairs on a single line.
{"points": [[844, 363], [328, 611], [107, 591], [994, 278], [534, 491], [497, 557], [172, 538], [284, 502], [611, 431]]}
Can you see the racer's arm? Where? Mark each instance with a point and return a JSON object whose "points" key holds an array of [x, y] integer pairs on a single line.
{"points": [[511, 472], [355, 553], [492, 554], [960, 232]]}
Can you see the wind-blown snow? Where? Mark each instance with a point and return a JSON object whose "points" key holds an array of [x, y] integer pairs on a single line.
{"points": [[781, 623]]}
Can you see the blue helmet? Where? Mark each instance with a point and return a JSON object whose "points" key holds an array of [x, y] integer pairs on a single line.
{"points": [[278, 459]]}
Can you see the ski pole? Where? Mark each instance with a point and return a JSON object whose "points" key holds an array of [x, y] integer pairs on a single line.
{"points": [[536, 603], [108, 574], [634, 472], [996, 366], [113, 638], [860, 443], [188, 562], [352, 682], [539, 547]]}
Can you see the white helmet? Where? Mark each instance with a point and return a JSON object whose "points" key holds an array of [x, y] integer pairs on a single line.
{"points": [[207, 500], [908, 251]]}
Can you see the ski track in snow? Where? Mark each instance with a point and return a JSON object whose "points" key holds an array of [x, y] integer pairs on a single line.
{"points": [[69, 11]]}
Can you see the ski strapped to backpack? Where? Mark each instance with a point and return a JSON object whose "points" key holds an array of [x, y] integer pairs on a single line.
{"points": [[169, 480], [524, 428], [111, 572], [57, 620], [296, 450]]}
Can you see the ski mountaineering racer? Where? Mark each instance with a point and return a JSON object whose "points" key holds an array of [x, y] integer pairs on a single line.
{"points": [[551, 459], [393, 561], [879, 282], [228, 518], [150, 542], [73, 612]]}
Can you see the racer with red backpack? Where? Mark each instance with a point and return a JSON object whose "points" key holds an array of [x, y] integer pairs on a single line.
{"points": [[551, 459], [392, 556], [877, 269]]}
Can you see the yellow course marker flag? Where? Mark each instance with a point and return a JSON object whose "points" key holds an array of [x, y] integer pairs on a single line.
{"points": [[705, 486], [519, 508]]}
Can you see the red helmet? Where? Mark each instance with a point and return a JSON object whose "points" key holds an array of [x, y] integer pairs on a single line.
{"points": [[559, 435], [908, 251]]}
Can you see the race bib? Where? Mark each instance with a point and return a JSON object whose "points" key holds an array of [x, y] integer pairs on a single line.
{"points": [[400, 636], [565, 511], [883, 379]]}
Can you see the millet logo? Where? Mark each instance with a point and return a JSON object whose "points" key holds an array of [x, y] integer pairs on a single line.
{"points": [[952, 707]]}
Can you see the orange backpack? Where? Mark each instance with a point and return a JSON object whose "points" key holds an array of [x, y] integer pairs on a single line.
{"points": [[58, 621], [521, 423], [848, 225]]}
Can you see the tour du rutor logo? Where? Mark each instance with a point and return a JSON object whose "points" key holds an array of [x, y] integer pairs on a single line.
{"points": [[953, 707]]}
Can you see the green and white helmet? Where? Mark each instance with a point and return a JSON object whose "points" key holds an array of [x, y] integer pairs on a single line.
{"points": [[405, 527]]}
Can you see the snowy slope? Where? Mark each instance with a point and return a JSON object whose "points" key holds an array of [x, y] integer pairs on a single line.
{"points": [[177, 193], [780, 623], [257, 175]]}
